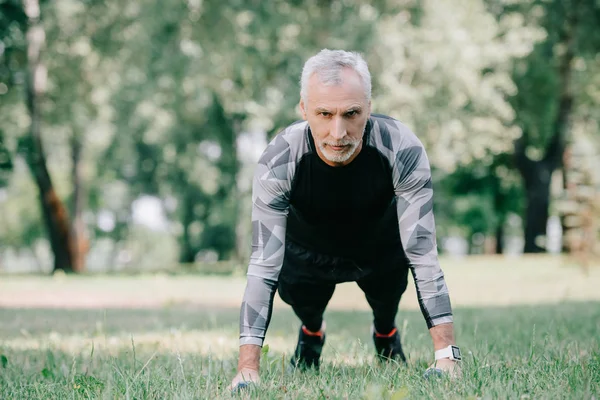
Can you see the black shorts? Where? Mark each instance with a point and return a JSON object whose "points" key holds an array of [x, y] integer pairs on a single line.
{"points": [[305, 266], [307, 282]]}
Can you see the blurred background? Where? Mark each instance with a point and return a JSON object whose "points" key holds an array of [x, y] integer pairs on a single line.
{"points": [[129, 130]]}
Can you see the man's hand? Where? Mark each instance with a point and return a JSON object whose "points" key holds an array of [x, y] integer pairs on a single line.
{"points": [[443, 366], [443, 336], [244, 378], [248, 366]]}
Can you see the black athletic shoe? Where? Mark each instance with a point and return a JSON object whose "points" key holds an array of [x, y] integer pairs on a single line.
{"points": [[388, 346], [308, 349]]}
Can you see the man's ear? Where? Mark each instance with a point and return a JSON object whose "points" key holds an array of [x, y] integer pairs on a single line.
{"points": [[369, 107], [302, 108]]}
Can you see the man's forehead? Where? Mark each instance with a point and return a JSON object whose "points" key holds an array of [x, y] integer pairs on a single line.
{"points": [[343, 95], [330, 107], [337, 101]]}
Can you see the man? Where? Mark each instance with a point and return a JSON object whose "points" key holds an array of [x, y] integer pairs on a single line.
{"points": [[342, 196]]}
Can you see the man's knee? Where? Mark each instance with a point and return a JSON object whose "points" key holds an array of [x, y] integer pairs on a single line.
{"points": [[305, 295], [285, 292], [385, 287]]}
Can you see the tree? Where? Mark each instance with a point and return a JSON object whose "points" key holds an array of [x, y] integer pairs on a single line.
{"points": [[579, 204], [204, 76], [78, 59], [53, 211], [544, 103], [448, 78]]}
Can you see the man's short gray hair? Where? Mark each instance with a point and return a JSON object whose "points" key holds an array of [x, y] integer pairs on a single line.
{"points": [[328, 64]]}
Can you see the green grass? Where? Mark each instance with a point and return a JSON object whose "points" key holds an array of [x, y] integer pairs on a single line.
{"points": [[189, 352]]}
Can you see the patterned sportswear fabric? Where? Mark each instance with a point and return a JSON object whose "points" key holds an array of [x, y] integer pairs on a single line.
{"points": [[406, 165]]}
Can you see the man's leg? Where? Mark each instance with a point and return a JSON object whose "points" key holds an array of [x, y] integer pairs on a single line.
{"points": [[383, 291], [308, 301], [303, 286]]}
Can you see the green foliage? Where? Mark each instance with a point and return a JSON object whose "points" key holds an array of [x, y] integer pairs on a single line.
{"points": [[157, 96], [12, 44], [483, 194], [448, 78], [20, 213], [537, 74], [87, 385], [536, 104]]}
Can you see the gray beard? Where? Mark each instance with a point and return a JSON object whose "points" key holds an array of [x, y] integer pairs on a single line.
{"points": [[336, 156]]}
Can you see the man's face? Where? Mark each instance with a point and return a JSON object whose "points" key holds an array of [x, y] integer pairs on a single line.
{"points": [[337, 116]]}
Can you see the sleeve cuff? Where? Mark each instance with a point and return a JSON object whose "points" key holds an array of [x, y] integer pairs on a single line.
{"points": [[251, 340], [441, 320]]}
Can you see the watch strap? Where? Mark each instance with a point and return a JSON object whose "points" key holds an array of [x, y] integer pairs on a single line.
{"points": [[451, 352]]}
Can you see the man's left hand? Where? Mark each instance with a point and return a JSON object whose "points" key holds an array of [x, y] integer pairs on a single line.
{"points": [[444, 366]]}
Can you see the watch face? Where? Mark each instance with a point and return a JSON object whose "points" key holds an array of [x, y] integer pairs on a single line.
{"points": [[456, 352]]}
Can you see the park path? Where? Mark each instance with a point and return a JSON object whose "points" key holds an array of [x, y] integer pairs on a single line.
{"points": [[473, 282]]}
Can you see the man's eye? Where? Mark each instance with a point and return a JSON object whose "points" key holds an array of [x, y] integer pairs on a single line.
{"points": [[326, 114], [351, 113]]}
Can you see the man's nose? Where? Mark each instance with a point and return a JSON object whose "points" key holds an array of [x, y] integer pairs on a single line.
{"points": [[338, 128]]}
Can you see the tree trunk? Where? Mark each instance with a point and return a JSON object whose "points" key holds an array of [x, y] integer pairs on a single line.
{"points": [[500, 238], [5, 159], [53, 211], [537, 174], [499, 207], [538, 202], [537, 178], [80, 239], [188, 253], [564, 247]]}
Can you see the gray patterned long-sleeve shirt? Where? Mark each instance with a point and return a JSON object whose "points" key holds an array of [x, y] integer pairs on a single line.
{"points": [[399, 161]]}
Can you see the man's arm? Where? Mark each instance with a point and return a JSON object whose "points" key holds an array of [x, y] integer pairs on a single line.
{"points": [[255, 315], [270, 198], [248, 365], [414, 194], [249, 357], [443, 336]]}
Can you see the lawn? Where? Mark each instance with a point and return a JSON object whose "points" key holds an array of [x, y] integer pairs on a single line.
{"points": [[118, 341]]}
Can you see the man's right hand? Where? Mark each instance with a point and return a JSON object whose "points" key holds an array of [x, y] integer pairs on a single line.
{"points": [[248, 366], [244, 378]]}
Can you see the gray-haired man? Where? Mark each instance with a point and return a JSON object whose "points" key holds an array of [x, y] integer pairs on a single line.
{"points": [[342, 196]]}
